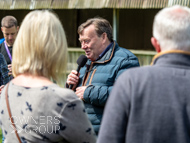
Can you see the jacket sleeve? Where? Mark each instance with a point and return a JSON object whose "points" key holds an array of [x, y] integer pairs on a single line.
{"points": [[130, 62], [98, 95]]}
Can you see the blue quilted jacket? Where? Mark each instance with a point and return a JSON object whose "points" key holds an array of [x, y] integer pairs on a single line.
{"points": [[99, 77]]}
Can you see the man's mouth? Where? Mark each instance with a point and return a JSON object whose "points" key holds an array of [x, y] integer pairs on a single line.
{"points": [[87, 52]]}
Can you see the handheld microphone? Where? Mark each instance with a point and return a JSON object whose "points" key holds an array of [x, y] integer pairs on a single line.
{"points": [[81, 62]]}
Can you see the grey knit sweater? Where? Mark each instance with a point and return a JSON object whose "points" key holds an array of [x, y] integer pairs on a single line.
{"points": [[45, 114]]}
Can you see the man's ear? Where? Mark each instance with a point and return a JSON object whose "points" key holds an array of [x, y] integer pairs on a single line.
{"points": [[17, 28], [2, 29], [156, 44], [104, 36]]}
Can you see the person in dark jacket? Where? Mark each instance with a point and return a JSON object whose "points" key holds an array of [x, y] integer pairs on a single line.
{"points": [[106, 61], [4, 78], [152, 104], [9, 28]]}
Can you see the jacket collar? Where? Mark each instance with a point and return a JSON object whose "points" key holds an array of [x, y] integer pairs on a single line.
{"points": [[108, 55], [172, 57]]}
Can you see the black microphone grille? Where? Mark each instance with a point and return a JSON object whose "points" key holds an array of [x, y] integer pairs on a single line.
{"points": [[82, 60]]}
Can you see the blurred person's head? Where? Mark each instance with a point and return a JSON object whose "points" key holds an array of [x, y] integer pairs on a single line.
{"points": [[9, 28], [95, 35], [40, 47], [171, 29]]}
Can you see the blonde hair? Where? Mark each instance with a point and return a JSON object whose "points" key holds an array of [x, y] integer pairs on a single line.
{"points": [[40, 47]]}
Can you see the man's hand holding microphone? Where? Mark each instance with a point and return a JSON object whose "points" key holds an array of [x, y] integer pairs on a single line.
{"points": [[73, 77]]}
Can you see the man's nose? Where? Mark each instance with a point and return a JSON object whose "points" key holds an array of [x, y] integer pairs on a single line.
{"points": [[10, 36], [83, 45]]}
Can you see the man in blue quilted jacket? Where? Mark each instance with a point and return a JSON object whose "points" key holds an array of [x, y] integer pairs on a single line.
{"points": [[106, 61]]}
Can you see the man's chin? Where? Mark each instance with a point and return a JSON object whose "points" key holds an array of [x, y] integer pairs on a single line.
{"points": [[88, 56], [10, 44]]}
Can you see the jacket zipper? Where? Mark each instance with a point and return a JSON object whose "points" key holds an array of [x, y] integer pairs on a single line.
{"points": [[87, 75]]}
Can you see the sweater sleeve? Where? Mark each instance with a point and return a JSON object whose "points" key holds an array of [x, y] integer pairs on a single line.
{"points": [[75, 126]]}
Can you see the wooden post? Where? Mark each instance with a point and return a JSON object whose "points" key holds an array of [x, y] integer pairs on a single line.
{"points": [[115, 23]]}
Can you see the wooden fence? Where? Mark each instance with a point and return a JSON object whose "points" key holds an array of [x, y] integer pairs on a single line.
{"points": [[145, 58]]}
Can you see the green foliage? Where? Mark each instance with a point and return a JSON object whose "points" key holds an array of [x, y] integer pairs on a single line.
{"points": [[0, 136]]}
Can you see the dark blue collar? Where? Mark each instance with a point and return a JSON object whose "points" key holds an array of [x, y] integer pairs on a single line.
{"points": [[103, 53]]}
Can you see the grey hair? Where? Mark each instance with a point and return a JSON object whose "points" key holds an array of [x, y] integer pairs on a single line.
{"points": [[171, 28]]}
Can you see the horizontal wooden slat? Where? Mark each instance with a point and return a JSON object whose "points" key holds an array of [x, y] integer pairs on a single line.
{"points": [[145, 58], [89, 4]]}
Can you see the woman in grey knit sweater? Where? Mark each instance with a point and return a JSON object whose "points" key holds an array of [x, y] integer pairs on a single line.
{"points": [[42, 111]]}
